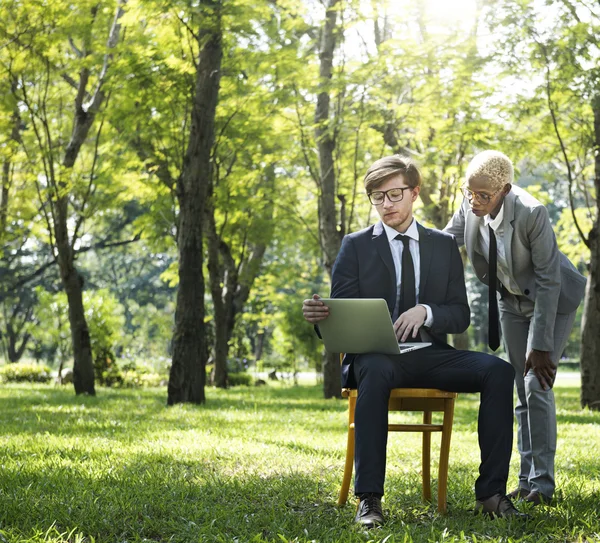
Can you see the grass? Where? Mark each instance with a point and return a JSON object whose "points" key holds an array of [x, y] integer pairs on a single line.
{"points": [[253, 464]]}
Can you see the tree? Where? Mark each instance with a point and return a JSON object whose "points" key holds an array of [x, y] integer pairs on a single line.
{"points": [[331, 230], [41, 71], [187, 376], [250, 155], [590, 336], [563, 60]]}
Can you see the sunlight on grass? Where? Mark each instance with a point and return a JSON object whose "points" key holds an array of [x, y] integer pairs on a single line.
{"points": [[253, 464]]}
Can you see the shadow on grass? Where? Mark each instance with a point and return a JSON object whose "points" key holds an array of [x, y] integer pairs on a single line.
{"points": [[159, 499], [154, 498]]}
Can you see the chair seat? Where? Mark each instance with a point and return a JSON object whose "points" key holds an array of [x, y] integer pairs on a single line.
{"points": [[408, 393]]}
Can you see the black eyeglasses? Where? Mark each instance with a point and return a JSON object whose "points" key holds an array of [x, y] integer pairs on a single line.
{"points": [[394, 195], [481, 197]]}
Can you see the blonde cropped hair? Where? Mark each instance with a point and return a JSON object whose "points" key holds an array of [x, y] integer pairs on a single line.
{"points": [[494, 165]]}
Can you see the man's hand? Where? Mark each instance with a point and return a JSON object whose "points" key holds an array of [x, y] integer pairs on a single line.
{"points": [[542, 366], [314, 310], [408, 324]]}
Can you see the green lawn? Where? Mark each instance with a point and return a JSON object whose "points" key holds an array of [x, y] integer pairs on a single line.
{"points": [[253, 464]]}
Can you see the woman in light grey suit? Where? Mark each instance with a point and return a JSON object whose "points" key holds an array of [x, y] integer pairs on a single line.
{"points": [[538, 292]]}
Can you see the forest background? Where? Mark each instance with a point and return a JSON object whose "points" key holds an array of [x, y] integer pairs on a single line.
{"points": [[177, 175]]}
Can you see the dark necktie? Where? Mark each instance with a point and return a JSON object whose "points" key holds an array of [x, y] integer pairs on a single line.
{"points": [[406, 297], [493, 332]]}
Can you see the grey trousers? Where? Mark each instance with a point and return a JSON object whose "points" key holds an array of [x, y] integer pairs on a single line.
{"points": [[535, 409]]}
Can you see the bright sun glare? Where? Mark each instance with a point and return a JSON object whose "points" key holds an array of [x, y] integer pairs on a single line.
{"points": [[449, 14]]}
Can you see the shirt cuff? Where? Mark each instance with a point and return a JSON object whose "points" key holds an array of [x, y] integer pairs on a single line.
{"points": [[429, 320]]}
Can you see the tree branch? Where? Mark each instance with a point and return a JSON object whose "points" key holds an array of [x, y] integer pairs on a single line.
{"points": [[563, 149]]}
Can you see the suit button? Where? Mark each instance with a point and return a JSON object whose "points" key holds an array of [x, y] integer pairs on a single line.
{"points": [[526, 292]]}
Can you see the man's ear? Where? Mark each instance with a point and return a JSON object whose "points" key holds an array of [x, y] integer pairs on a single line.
{"points": [[506, 189]]}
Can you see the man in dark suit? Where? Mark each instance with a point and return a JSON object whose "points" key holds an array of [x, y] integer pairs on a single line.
{"points": [[419, 272]]}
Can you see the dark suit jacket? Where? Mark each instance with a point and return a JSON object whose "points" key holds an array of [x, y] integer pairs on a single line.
{"points": [[364, 268]]}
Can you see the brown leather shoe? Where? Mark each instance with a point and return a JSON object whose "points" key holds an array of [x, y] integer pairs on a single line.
{"points": [[498, 505], [369, 512], [537, 498], [518, 494]]}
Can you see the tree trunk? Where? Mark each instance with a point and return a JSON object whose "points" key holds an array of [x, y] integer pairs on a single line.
{"points": [[7, 167], [231, 282], [230, 290], [590, 326], [83, 120], [14, 350], [223, 279], [259, 345], [330, 235], [83, 364], [188, 370], [222, 337]]}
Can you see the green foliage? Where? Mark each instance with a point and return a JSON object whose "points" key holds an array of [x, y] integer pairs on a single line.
{"points": [[104, 316], [236, 379], [53, 336], [569, 240], [435, 89], [137, 376], [25, 373], [259, 464]]}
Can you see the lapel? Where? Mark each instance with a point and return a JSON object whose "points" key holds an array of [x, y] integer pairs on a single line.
{"points": [[425, 256], [479, 262], [471, 233], [383, 248], [507, 223]]}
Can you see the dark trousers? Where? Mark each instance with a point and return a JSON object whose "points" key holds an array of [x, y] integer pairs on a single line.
{"points": [[446, 369]]}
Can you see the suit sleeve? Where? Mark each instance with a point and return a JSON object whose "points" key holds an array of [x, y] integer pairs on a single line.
{"points": [[453, 316], [344, 276], [456, 225], [546, 266]]}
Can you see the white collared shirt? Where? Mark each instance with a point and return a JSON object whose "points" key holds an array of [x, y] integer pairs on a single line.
{"points": [[396, 246], [497, 225]]}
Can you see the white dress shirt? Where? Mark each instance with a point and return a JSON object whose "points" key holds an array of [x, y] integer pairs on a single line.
{"points": [[396, 246], [497, 226]]}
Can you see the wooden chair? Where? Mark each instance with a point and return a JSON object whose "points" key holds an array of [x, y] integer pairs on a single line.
{"points": [[426, 400]]}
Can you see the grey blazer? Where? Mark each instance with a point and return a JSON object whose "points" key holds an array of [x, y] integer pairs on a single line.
{"points": [[542, 272]]}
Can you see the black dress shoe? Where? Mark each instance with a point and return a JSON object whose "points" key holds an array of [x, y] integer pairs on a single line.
{"points": [[518, 494], [537, 498], [500, 506], [369, 513]]}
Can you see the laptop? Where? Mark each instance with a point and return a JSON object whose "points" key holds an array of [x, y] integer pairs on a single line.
{"points": [[361, 325]]}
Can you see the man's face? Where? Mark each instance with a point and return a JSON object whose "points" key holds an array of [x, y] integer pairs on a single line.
{"points": [[483, 197], [397, 215]]}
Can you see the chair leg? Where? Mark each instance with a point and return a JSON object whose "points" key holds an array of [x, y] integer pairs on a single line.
{"points": [[343, 497], [445, 455], [426, 455]]}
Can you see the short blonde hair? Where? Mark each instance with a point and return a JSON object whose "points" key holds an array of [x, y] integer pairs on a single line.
{"points": [[390, 166], [494, 165]]}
